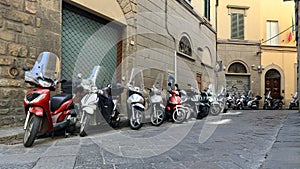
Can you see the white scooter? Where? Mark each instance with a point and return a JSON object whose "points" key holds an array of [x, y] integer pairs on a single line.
{"points": [[136, 101]]}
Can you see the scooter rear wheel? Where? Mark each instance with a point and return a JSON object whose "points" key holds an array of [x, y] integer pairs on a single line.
{"points": [[33, 127]]}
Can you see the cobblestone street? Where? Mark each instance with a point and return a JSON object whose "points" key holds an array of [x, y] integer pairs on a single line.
{"points": [[247, 139]]}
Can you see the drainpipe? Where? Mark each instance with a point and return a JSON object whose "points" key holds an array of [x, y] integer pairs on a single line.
{"points": [[216, 37], [175, 52]]}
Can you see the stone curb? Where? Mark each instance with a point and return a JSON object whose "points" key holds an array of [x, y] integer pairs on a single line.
{"points": [[11, 135]]}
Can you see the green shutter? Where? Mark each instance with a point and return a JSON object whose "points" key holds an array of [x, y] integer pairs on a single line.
{"points": [[234, 33], [237, 26], [86, 43], [240, 26]]}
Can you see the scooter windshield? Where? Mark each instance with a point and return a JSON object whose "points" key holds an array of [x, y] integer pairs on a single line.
{"points": [[136, 79], [295, 95], [158, 84], [47, 66]]}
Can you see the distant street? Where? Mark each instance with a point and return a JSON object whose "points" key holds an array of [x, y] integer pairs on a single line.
{"points": [[237, 139]]}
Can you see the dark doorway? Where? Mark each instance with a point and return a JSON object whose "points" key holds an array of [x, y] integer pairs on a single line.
{"points": [[272, 83], [199, 81]]}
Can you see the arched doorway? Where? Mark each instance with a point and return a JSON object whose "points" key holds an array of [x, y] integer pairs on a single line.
{"points": [[272, 83], [237, 78]]}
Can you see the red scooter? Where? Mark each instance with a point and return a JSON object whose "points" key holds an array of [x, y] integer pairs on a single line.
{"points": [[174, 107], [45, 114]]}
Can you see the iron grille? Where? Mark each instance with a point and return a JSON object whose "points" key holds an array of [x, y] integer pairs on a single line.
{"points": [[86, 43]]}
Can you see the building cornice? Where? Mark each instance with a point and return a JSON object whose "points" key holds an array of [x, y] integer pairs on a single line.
{"points": [[237, 42], [279, 48], [237, 7]]}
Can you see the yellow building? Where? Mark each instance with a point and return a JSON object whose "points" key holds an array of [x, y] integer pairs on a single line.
{"points": [[257, 46]]}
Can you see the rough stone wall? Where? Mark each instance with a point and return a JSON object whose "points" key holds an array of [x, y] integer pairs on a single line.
{"points": [[27, 27]]}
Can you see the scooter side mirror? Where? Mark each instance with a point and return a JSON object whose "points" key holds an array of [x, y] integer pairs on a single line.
{"points": [[25, 68]]}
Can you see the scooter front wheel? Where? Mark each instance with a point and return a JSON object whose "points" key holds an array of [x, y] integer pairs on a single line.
{"points": [[179, 115], [215, 109], [136, 119], [32, 129], [84, 122], [157, 117]]}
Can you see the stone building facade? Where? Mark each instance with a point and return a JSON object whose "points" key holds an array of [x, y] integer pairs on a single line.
{"points": [[163, 35], [27, 27]]}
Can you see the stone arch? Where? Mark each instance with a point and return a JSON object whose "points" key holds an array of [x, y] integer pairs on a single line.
{"points": [[207, 57], [237, 63]]}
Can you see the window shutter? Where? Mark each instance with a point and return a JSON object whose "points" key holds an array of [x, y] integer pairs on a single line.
{"points": [[241, 26], [237, 26], [234, 33]]}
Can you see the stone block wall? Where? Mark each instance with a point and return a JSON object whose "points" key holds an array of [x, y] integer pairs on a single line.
{"points": [[27, 27], [155, 46], [248, 53]]}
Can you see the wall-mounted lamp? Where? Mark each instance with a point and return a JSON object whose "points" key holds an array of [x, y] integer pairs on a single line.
{"points": [[200, 52], [259, 68], [258, 53]]}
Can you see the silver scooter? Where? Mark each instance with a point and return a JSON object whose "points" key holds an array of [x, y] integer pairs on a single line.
{"points": [[157, 115]]}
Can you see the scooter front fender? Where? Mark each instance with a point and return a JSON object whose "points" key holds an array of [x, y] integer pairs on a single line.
{"points": [[140, 105], [89, 110], [37, 111]]}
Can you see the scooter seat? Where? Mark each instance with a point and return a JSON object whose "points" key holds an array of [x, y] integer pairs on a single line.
{"points": [[58, 100]]}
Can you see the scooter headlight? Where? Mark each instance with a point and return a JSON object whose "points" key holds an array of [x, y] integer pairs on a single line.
{"points": [[34, 97], [44, 83]]}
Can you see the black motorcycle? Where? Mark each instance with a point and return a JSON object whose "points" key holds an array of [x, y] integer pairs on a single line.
{"points": [[272, 104], [204, 106], [108, 103]]}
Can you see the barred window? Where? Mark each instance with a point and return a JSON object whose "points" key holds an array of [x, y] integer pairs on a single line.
{"points": [[185, 46], [237, 68]]}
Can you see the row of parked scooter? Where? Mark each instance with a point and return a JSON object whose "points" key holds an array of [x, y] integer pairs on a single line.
{"points": [[88, 105], [246, 101], [47, 115], [172, 104]]}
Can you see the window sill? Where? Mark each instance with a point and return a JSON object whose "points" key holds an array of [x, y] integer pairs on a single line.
{"points": [[185, 56], [237, 40]]}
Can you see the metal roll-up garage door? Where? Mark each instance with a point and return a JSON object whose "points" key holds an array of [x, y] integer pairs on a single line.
{"points": [[87, 40], [238, 83]]}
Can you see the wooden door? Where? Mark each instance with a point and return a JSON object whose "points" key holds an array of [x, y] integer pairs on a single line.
{"points": [[272, 83], [198, 77]]}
